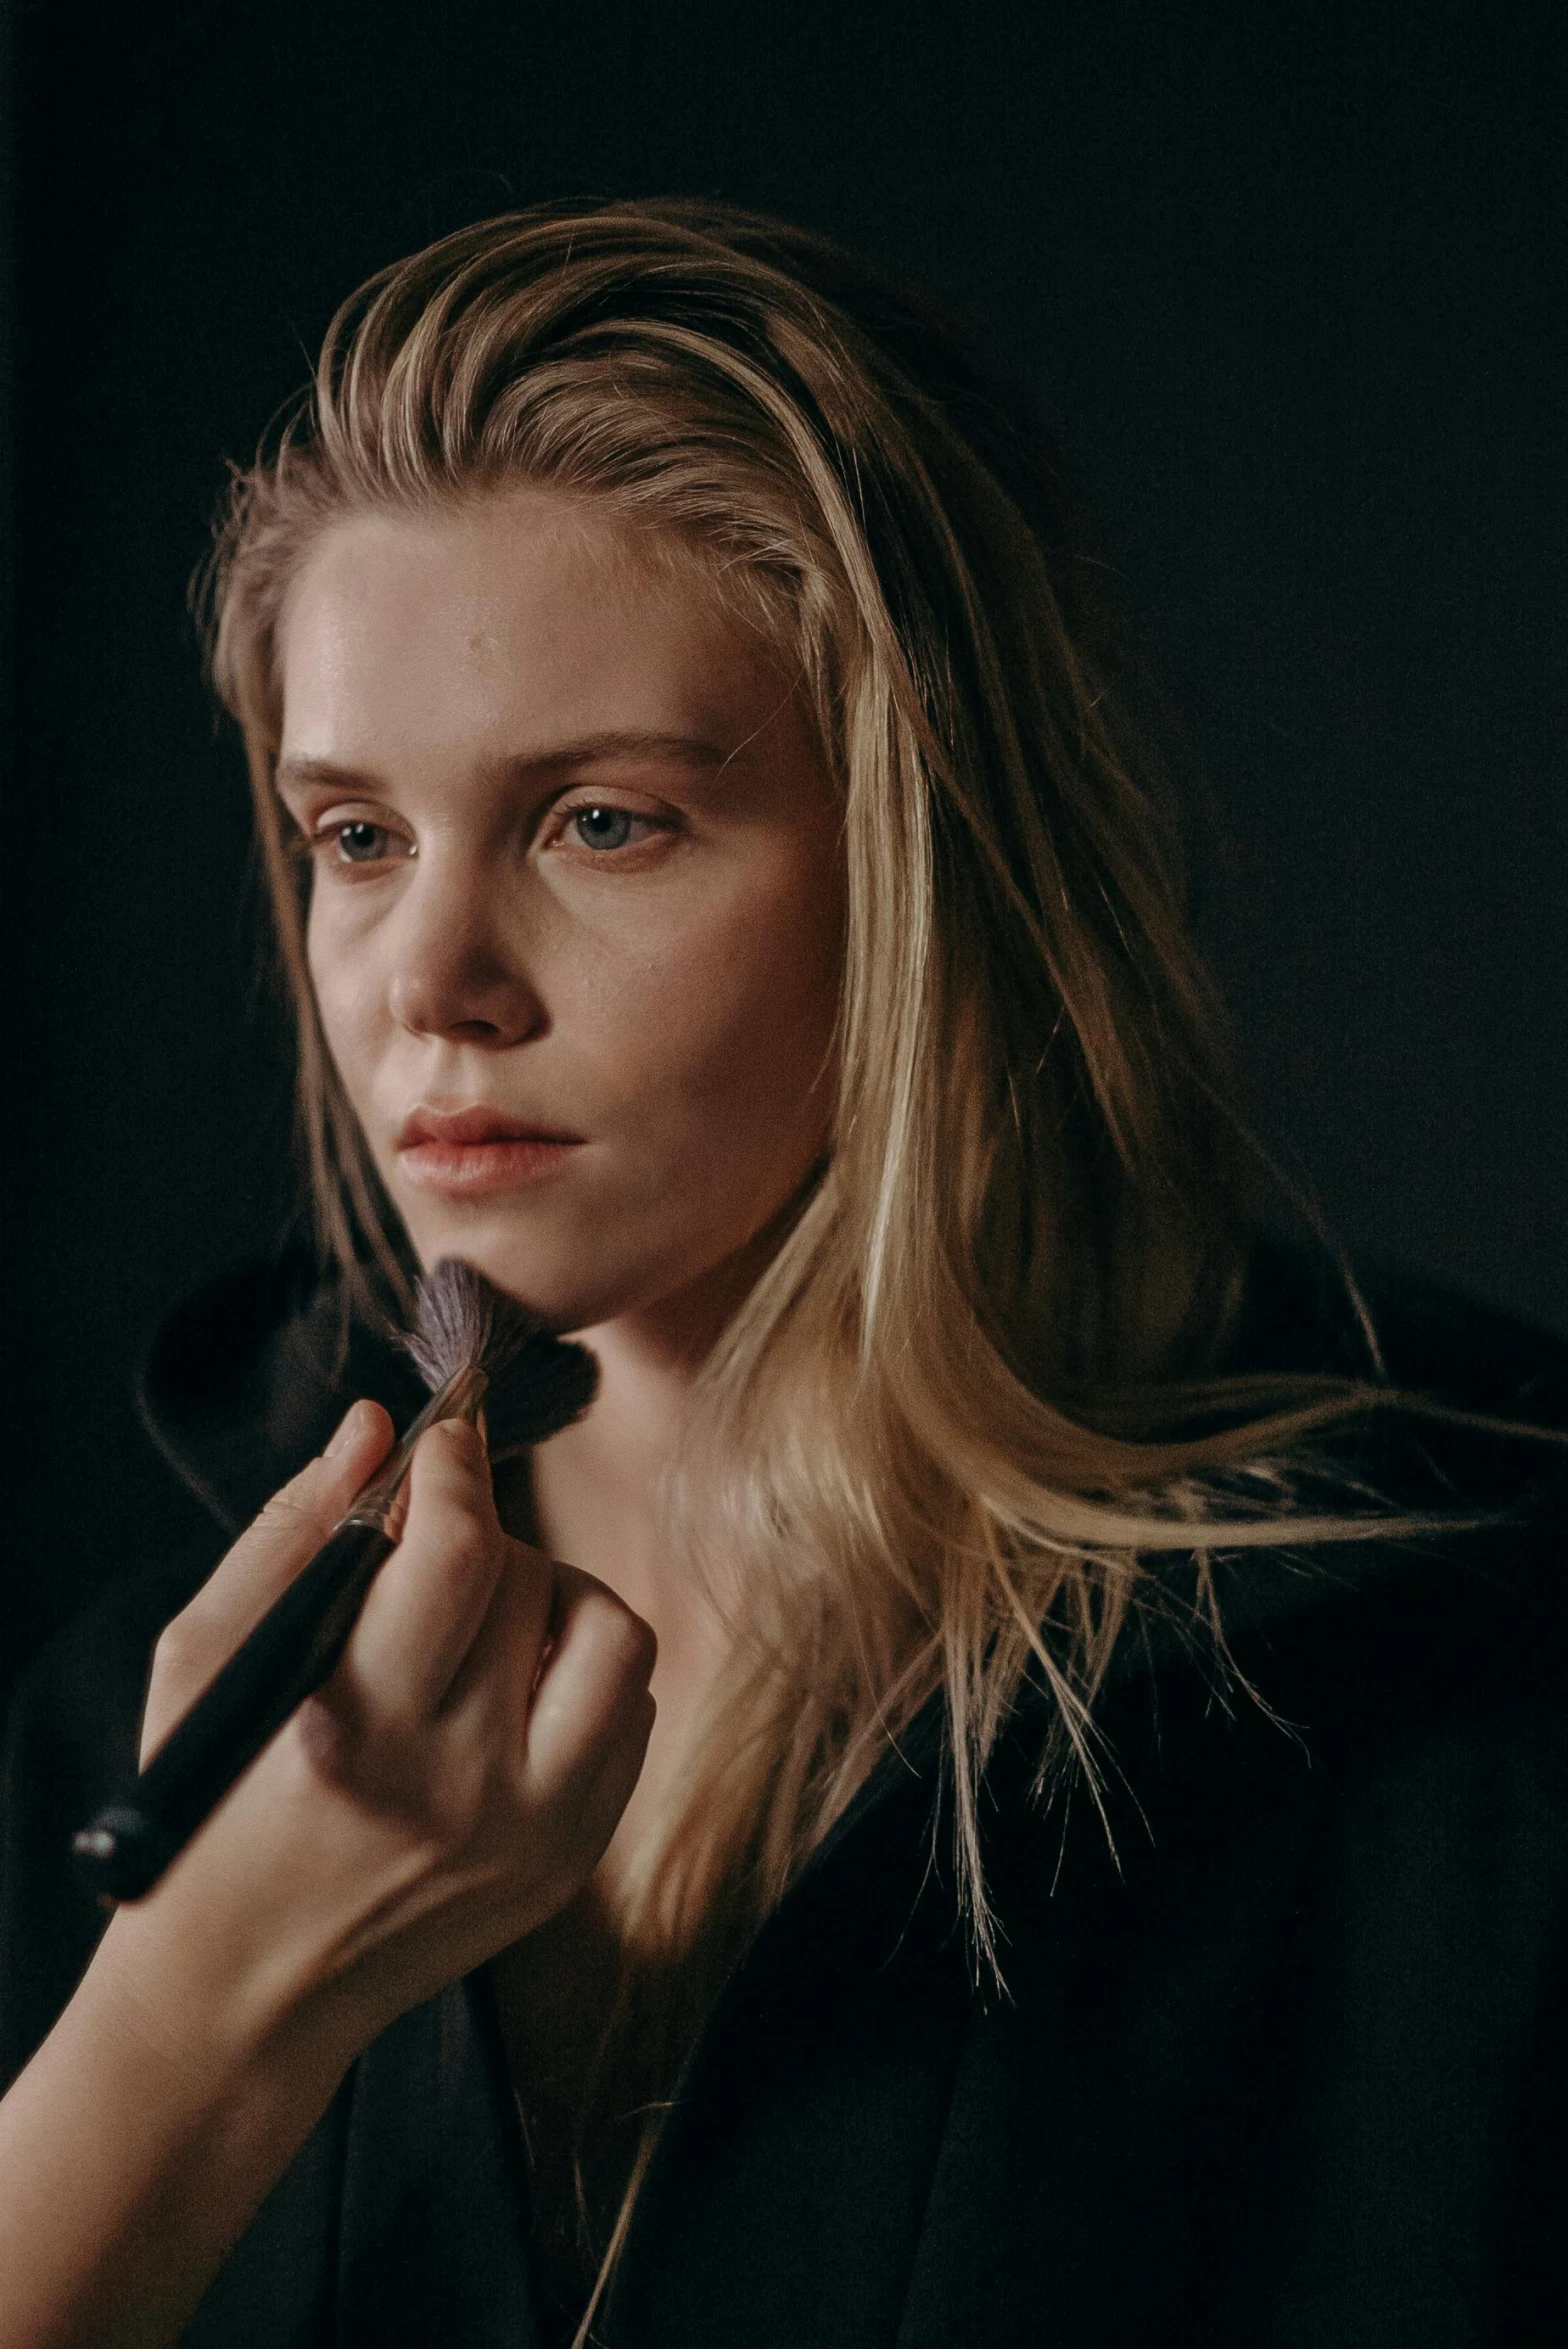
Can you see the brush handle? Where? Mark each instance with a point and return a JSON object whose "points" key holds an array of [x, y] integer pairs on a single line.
{"points": [[122, 1853], [291, 1651]]}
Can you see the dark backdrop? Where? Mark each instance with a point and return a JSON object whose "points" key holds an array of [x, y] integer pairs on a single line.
{"points": [[1291, 280]]}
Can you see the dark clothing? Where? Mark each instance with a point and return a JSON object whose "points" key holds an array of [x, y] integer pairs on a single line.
{"points": [[1288, 2071]]}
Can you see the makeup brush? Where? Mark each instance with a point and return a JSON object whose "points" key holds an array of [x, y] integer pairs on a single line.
{"points": [[479, 1351]]}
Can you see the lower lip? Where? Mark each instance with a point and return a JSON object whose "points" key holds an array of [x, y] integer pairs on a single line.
{"points": [[474, 1170]]}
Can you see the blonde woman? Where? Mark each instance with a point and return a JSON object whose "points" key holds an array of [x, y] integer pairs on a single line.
{"points": [[1037, 1809]]}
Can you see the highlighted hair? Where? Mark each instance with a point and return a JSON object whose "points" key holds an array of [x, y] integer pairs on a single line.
{"points": [[922, 1464]]}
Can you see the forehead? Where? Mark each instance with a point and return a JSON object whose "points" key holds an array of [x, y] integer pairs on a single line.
{"points": [[503, 622]]}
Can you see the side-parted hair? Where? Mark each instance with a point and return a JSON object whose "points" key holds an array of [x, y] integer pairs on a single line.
{"points": [[922, 1464]]}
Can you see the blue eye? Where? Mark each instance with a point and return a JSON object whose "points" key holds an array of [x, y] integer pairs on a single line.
{"points": [[360, 844], [602, 827]]}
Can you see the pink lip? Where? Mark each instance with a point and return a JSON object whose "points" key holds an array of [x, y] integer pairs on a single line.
{"points": [[473, 1152]]}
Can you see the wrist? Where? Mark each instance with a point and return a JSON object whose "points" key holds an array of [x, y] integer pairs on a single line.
{"points": [[215, 2016]]}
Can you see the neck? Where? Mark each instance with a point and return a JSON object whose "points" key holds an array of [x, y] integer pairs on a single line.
{"points": [[606, 1469], [598, 1504], [603, 1475]]}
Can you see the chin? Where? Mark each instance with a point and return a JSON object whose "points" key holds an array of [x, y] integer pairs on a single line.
{"points": [[570, 1288], [566, 1295]]}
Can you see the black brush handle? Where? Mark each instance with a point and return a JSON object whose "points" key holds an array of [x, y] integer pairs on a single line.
{"points": [[293, 1648]]}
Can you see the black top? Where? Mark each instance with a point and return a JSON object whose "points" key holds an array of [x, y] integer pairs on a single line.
{"points": [[1289, 2071]]}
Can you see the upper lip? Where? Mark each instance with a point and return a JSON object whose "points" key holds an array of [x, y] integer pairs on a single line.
{"points": [[477, 1123]]}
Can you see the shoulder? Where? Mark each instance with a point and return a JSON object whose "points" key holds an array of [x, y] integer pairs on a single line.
{"points": [[1368, 1708], [1456, 1477], [1451, 1621]]}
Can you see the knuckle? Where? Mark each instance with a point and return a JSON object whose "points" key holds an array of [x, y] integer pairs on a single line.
{"points": [[374, 1757], [467, 1533], [463, 1795], [630, 1646], [444, 1799], [329, 1740], [291, 1512], [380, 1719], [437, 1790]]}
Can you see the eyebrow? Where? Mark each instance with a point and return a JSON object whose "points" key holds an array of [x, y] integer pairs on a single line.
{"points": [[687, 750]]}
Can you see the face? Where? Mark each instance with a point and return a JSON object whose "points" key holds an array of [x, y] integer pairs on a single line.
{"points": [[576, 902]]}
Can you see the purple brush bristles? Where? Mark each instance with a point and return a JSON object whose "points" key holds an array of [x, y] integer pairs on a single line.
{"points": [[538, 1383]]}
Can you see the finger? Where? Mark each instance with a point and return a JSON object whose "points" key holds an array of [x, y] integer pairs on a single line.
{"points": [[265, 1559], [297, 1520], [427, 1604], [498, 1673], [286, 1535], [593, 1689]]}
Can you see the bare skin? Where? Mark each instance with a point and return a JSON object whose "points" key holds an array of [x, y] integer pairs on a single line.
{"points": [[576, 863], [442, 1797], [458, 696]]}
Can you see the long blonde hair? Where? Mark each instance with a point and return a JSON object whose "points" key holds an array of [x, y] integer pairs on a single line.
{"points": [[943, 1436]]}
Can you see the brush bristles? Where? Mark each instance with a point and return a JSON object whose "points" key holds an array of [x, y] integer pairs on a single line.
{"points": [[539, 1383], [461, 1322]]}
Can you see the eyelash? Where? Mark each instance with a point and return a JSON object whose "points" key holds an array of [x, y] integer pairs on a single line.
{"points": [[317, 846]]}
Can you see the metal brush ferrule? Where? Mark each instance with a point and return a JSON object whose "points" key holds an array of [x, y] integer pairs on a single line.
{"points": [[462, 1397]]}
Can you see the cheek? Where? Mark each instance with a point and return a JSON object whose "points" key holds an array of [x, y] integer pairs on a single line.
{"points": [[735, 1023], [343, 1006]]}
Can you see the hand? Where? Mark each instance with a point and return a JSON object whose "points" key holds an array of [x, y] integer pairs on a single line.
{"points": [[452, 1785]]}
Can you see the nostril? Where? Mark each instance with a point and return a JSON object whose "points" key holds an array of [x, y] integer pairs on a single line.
{"points": [[467, 998]]}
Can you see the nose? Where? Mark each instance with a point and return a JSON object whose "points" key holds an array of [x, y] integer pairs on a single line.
{"points": [[455, 973]]}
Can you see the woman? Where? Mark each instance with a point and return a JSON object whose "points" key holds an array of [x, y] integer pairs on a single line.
{"points": [[970, 1850]]}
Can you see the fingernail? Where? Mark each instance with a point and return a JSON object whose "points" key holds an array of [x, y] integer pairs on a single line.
{"points": [[347, 1428]]}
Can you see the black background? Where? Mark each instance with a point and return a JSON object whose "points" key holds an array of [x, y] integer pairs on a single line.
{"points": [[1291, 281]]}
